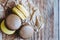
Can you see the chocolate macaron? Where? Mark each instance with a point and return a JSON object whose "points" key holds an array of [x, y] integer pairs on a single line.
{"points": [[26, 31], [13, 22]]}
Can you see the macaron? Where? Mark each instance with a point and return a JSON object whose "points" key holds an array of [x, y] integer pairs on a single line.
{"points": [[26, 31], [23, 10], [13, 22], [20, 11], [5, 30]]}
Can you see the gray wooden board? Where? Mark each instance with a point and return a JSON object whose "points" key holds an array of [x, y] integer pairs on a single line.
{"points": [[59, 19], [0, 35], [55, 19]]}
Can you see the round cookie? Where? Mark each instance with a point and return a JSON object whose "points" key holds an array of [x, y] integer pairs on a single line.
{"points": [[13, 22], [21, 11], [5, 30], [26, 31]]}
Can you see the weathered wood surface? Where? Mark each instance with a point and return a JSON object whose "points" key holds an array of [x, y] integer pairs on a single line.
{"points": [[44, 8], [56, 28], [59, 19]]}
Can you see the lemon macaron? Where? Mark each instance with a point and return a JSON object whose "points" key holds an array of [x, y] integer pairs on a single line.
{"points": [[5, 30], [20, 11]]}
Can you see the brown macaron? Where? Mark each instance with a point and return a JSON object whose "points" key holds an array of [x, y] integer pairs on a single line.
{"points": [[26, 31], [13, 22]]}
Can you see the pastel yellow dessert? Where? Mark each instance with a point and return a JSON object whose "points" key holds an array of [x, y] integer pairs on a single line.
{"points": [[5, 30], [21, 11]]}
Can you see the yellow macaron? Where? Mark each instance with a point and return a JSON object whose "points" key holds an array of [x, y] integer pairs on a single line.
{"points": [[23, 10], [20, 11], [5, 30]]}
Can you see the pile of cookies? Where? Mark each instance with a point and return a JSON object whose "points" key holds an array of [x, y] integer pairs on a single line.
{"points": [[13, 22]]}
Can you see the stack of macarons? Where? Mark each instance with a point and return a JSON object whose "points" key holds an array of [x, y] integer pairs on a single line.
{"points": [[13, 22]]}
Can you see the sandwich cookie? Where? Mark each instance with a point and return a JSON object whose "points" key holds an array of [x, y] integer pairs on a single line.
{"points": [[13, 22], [21, 11], [26, 31], [5, 30]]}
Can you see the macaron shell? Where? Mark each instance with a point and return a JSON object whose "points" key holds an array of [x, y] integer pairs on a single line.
{"points": [[13, 22], [19, 13], [26, 31], [23, 10], [5, 30]]}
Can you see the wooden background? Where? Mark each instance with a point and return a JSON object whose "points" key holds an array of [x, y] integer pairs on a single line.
{"points": [[44, 9]]}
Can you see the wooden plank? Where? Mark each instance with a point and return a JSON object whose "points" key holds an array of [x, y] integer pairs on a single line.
{"points": [[48, 26], [0, 35], [55, 19], [43, 34], [59, 19]]}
